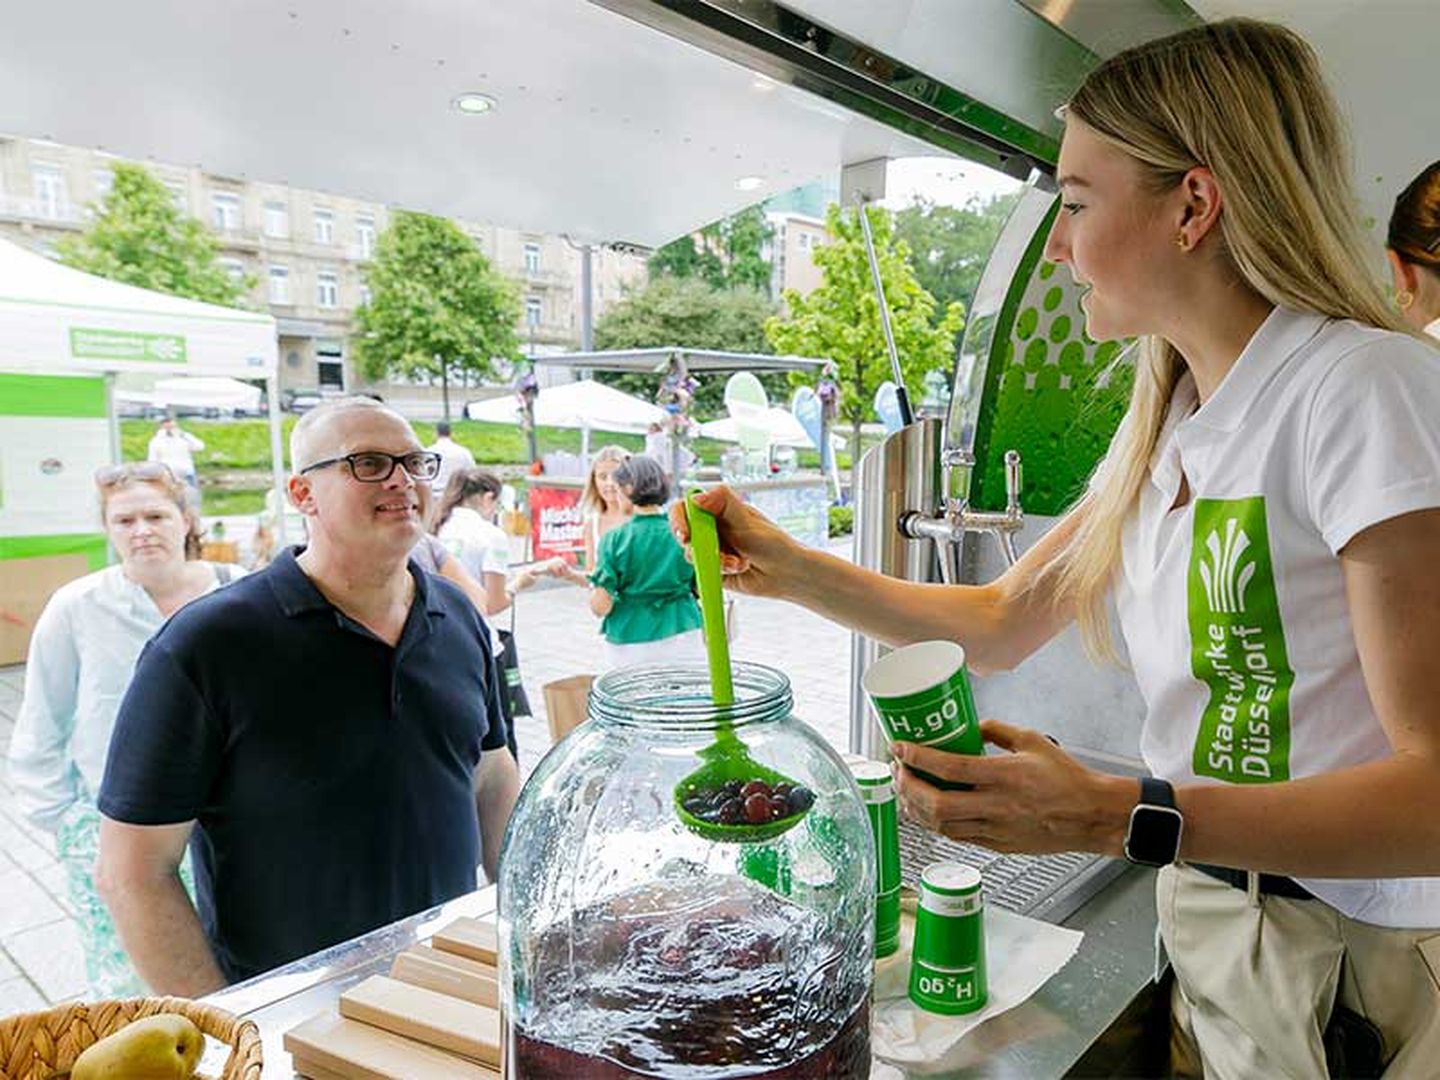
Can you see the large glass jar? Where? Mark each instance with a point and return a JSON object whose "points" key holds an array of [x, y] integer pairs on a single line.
{"points": [[632, 946]]}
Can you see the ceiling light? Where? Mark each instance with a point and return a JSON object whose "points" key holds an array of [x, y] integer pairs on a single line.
{"points": [[474, 104], [750, 183]]}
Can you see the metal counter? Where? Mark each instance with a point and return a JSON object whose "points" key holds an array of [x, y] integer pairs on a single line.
{"points": [[1044, 1037]]}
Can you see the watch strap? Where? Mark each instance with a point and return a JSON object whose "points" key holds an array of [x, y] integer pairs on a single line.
{"points": [[1157, 792]]}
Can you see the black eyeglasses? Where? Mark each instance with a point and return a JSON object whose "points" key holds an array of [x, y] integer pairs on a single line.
{"points": [[109, 475], [375, 467]]}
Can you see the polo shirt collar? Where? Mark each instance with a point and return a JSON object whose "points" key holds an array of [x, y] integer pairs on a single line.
{"points": [[297, 594], [1283, 333]]}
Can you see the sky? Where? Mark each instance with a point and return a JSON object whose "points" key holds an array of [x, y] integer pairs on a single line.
{"points": [[943, 180]]}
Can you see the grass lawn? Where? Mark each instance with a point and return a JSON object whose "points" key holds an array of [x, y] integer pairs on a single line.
{"points": [[228, 502], [239, 445]]}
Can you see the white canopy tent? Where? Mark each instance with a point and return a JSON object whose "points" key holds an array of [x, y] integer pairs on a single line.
{"points": [[197, 392], [58, 325], [584, 404]]}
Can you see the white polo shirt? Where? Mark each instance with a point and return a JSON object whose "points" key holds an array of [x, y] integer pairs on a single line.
{"points": [[1233, 607]]}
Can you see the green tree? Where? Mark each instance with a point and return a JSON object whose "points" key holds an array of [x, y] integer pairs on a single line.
{"points": [[140, 238], [730, 253], [841, 319], [437, 307], [949, 246], [689, 312]]}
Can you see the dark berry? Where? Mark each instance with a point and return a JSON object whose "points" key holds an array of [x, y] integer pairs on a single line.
{"points": [[732, 812], [782, 790], [757, 809], [800, 800], [696, 806], [779, 808], [755, 787], [732, 787]]}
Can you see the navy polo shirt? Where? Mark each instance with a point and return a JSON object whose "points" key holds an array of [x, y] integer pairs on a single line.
{"points": [[329, 774]]}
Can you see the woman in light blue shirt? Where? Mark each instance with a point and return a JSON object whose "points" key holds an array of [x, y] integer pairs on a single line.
{"points": [[82, 655]]}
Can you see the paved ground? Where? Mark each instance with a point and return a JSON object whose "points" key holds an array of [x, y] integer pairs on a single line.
{"points": [[40, 957]]}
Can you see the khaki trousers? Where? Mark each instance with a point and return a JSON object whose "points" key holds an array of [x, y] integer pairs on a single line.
{"points": [[1255, 982]]}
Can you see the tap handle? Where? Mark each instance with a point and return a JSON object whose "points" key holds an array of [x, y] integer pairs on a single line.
{"points": [[1012, 480]]}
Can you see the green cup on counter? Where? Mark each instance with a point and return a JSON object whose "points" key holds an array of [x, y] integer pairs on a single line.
{"points": [[878, 793], [947, 961], [922, 695]]}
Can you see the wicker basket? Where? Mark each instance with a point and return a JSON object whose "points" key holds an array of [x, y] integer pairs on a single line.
{"points": [[39, 1046]]}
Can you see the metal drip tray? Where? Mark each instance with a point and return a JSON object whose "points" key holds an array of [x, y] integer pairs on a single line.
{"points": [[1049, 887]]}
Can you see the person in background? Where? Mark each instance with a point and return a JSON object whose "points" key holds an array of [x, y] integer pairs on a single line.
{"points": [[82, 656], [327, 733], [453, 457], [1413, 249], [642, 586], [1265, 526], [603, 509], [464, 526], [175, 449]]}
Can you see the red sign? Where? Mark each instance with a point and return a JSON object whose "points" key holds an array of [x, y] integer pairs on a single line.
{"points": [[557, 524]]}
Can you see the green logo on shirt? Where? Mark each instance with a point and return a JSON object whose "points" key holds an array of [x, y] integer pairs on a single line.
{"points": [[1237, 645]]}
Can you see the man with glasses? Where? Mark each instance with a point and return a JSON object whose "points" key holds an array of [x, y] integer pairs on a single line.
{"points": [[327, 735]]}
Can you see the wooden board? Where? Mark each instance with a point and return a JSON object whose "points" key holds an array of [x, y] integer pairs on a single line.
{"points": [[423, 966], [358, 1051], [436, 1019], [304, 1067], [470, 938], [25, 588]]}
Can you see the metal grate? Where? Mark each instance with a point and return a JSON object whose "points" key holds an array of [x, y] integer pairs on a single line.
{"points": [[1047, 886]]}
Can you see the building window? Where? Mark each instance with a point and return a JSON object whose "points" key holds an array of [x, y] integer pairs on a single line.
{"points": [[50, 196], [365, 235], [324, 227], [532, 258], [225, 211], [234, 268], [279, 285], [104, 181], [327, 289], [532, 312], [365, 295], [277, 220], [178, 195]]}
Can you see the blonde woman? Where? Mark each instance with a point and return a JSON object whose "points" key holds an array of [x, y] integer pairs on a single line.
{"points": [[603, 507], [81, 659], [1413, 249], [1266, 525]]}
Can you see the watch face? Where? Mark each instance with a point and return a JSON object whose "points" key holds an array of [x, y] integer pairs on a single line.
{"points": [[1154, 835]]}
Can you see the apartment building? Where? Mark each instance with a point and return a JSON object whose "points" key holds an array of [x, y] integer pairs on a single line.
{"points": [[306, 251]]}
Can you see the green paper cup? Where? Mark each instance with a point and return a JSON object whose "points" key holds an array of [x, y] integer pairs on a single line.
{"points": [[947, 960], [922, 695]]}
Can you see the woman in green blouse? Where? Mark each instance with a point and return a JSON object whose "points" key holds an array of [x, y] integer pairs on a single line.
{"points": [[642, 586]]}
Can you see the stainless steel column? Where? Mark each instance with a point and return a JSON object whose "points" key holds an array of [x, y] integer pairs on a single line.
{"points": [[900, 475]]}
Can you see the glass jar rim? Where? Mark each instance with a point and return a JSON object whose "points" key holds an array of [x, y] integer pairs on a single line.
{"points": [[678, 696]]}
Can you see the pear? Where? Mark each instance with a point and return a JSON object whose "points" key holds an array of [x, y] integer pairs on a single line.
{"points": [[163, 1047]]}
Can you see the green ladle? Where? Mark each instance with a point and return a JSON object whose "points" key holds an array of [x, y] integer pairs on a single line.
{"points": [[727, 758]]}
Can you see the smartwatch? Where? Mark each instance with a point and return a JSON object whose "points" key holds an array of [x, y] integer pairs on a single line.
{"points": [[1156, 825]]}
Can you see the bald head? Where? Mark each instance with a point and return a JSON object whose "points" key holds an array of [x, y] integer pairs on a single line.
{"points": [[317, 433]]}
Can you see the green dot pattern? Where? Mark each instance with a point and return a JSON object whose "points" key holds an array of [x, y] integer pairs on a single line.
{"points": [[1057, 400]]}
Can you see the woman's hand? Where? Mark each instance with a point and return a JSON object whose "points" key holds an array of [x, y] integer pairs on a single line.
{"points": [[756, 556], [1034, 799]]}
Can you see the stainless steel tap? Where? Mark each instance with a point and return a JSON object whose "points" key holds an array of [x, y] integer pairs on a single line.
{"points": [[949, 526]]}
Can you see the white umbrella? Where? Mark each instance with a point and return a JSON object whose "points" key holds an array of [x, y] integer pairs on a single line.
{"points": [[779, 425], [585, 404]]}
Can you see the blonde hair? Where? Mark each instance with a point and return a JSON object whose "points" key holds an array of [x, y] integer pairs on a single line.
{"points": [[1247, 100], [590, 500]]}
